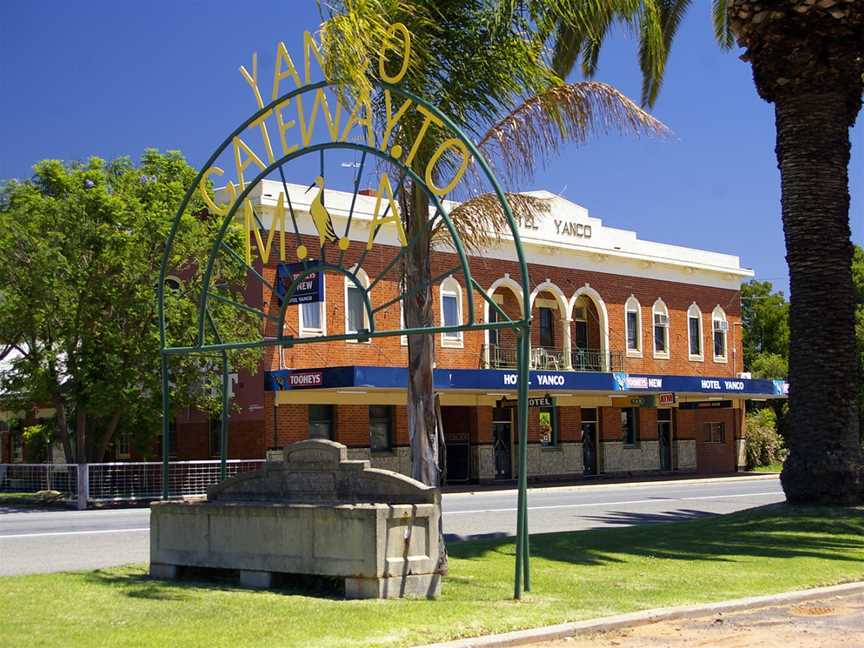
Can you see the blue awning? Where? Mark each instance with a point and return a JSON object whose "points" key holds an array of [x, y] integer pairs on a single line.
{"points": [[501, 380]]}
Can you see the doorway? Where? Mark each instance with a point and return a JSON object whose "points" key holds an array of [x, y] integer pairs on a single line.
{"points": [[590, 442], [502, 427], [664, 437]]}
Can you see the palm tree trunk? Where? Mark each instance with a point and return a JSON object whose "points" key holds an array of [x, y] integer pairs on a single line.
{"points": [[825, 462], [421, 348]]}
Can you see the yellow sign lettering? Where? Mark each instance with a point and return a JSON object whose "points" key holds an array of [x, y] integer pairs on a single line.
{"points": [[392, 216], [252, 79], [277, 225], [364, 104], [241, 164], [283, 126], [428, 118], [406, 53], [446, 145], [205, 196], [279, 74], [332, 125], [391, 119]]}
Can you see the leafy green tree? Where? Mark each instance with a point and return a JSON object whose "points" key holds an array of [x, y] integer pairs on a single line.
{"points": [[765, 320], [808, 60], [80, 246], [485, 64]]}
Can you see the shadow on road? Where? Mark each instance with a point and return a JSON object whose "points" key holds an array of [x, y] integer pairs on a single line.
{"points": [[774, 531]]}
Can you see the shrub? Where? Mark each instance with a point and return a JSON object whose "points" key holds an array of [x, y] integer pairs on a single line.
{"points": [[764, 445]]}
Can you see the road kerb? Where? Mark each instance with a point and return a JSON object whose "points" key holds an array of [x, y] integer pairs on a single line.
{"points": [[645, 617]]}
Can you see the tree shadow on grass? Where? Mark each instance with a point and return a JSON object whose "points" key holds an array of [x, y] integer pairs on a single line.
{"points": [[144, 586], [774, 531]]}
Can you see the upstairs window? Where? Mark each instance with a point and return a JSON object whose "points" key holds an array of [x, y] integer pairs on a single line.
{"points": [[720, 328], [312, 314], [661, 329], [694, 332], [633, 325], [451, 312], [547, 328], [356, 318]]}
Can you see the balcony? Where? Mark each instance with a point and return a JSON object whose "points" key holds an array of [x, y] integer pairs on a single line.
{"points": [[503, 357]]}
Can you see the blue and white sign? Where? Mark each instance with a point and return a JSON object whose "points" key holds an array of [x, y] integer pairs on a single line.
{"points": [[508, 381], [309, 289]]}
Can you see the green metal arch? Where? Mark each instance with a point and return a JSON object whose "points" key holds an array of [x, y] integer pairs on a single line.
{"points": [[522, 326]]}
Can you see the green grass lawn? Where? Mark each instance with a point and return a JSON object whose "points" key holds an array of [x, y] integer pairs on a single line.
{"points": [[575, 576], [770, 468]]}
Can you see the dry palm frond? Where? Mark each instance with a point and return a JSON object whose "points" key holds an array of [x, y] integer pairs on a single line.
{"points": [[569, 112], [480, 221]]}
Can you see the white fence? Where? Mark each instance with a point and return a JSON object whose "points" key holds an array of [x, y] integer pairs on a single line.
{"points": [[121, 481], [30, 478]]}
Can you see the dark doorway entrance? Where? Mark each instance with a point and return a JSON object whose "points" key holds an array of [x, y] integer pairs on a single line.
{"points": [[589, 440], [664, 436], [501, 436], [456, 423]]}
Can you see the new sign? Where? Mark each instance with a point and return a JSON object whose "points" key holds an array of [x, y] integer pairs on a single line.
{"points": [[309, 289]]}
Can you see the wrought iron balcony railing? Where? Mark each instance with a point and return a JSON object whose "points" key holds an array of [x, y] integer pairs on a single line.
{"points": [[495, 356]]}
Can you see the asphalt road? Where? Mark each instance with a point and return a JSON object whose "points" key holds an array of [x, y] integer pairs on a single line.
{"points": [[49, 541]]}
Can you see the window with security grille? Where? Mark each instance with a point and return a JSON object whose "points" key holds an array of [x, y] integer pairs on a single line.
{"points": [[381, 428], [321, 422], [715, 432]]}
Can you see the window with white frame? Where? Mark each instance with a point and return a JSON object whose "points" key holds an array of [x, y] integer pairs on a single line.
{"points": [[451, 312], [356, 317], [661, 329], [694, 332], [313, 319], [720, 329], [633, 326]]}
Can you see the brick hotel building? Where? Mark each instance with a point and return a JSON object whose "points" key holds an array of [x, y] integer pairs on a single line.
{"points": [[636, 356]]}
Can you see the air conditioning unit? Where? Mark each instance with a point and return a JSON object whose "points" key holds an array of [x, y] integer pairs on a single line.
{"points": [[721, 325], [660, 319], [744, 375]]}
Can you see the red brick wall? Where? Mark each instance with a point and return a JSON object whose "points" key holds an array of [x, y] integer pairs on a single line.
{"points": [[710, 457], [614, 289]]}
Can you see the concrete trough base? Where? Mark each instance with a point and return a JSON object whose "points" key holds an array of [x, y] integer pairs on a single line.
{"points": [[412, 585]]}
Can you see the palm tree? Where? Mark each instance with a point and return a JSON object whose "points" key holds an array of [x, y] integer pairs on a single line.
{"points": [[808, 60], [485, 64]]}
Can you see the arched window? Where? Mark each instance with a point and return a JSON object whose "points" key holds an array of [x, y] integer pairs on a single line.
{"points": [[661, 329], [633, 326], [694, 333], [451, 311], [313, 318], [720, 328], [356, 317]]}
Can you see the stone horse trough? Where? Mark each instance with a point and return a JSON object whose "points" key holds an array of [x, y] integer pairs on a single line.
{"points": [[315, 513]]}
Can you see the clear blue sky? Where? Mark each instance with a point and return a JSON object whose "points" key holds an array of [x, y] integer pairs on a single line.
{"points": [[112, 78]]}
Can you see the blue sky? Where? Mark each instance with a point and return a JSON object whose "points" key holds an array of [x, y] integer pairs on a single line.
{"points": [[112, 78]]}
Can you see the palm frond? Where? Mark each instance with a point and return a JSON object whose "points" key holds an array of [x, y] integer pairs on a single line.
{"points": [[480, 221], [722, 31], [569, 112], [668, 17]]}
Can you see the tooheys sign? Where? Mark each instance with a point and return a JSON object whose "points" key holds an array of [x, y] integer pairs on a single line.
{"points": [[305, 379]]}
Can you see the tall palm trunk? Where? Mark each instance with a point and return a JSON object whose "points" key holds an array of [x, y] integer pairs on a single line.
{"points": [[807, 60], [824, 463], [421, 348]]}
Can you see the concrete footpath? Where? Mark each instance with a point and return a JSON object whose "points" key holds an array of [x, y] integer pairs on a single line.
{"points": [[824, 617]]}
